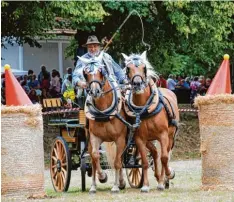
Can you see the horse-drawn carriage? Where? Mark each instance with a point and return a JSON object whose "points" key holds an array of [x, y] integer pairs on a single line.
{"points": [[69, 148], [148, 114]]}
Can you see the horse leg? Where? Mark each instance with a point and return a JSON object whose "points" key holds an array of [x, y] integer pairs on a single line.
{"points": [[120, 144], [122, 183], [95, 143], [93, 185], [171, 144], [142, 149], [164, 141], [154, 153]]}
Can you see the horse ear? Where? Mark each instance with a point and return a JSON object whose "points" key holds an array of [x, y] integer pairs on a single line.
{"points": [[84, 60], [143, 55], [99, 58], [125, 56]]}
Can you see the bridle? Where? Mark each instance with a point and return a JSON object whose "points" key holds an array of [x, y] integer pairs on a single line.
{"points": [[100, 83], [137, 86]]}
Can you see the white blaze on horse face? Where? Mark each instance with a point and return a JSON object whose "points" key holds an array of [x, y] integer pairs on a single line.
{"points": [[95, 88]]}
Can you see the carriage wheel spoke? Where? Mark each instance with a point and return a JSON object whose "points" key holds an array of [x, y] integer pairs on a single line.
{"points": [[54, 174], [54, 158], [57, 148], [133, 177], [63, 177], [139, 173], [64, 164], [130, 173], [54, 166], [61, 152], [55, 153], [64, 171], [137, 176], [56, 180], [64, 157], [59, 180]]}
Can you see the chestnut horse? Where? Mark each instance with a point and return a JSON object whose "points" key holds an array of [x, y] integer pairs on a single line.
{"points": [[101, 105], [157, 125]]}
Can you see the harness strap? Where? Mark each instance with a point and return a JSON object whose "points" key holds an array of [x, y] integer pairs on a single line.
{"points": [[171, 118]]}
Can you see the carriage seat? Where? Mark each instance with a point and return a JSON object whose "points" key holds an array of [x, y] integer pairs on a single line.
{"points": [[68, 119], [52, 103]]}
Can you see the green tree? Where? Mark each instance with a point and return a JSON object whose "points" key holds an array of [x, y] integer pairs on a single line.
{"points": [[186, 37], [27, 21]]}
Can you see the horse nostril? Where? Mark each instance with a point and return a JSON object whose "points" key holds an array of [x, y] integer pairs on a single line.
{"points": [[136, 83], [96, 91]]}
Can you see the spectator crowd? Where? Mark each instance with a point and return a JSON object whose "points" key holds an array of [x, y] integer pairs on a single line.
{"points": [[51, 85], [45, 85], [185, 86]]}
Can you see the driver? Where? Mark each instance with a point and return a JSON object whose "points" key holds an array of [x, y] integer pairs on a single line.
{"points": [[114, 70]]}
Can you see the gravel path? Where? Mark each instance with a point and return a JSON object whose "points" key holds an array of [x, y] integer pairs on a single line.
{"points": [[184, 187]]}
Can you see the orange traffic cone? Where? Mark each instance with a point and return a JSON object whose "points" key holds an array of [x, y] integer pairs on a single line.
{"points": [[221, 83], [15, 94]]}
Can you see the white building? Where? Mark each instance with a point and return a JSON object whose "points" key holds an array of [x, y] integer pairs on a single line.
{"points": [[51, 54]]}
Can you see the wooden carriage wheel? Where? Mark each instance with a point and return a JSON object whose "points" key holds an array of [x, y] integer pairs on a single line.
{"points": [[135, 175], [60, 165]]}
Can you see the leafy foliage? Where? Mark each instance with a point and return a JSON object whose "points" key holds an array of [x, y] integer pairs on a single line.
{"points": [[27, 21], [186, 37]]}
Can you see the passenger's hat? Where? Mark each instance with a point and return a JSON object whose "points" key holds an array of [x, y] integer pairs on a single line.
{"points": [[92, 40]]}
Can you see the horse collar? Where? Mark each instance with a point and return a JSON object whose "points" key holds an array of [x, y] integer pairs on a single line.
{"points": [[93, 113]]}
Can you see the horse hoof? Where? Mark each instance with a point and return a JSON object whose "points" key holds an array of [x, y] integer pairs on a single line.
{"points": [[122, 185], [145, 189], [104, 180], [172, 175], [92, 190], [115, 190], [160, 187]]}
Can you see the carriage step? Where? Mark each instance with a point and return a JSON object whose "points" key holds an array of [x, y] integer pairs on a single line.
{"points": [[62, 121], [68, 125]]}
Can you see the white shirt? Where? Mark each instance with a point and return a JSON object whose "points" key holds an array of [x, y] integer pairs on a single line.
{"points": [[171, 84]]}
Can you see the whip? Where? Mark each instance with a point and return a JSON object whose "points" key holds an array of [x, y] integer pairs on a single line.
{"points": [[119, 28]]}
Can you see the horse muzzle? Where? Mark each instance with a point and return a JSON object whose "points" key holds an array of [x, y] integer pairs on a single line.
{"points": [[138, 84], [96, 93]]}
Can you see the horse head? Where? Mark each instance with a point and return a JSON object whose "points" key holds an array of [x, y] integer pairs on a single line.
{"points": [[94, 74], [136, 70]]}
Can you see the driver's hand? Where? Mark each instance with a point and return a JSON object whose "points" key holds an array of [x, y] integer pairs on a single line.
{"points": [[82, 84]]}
